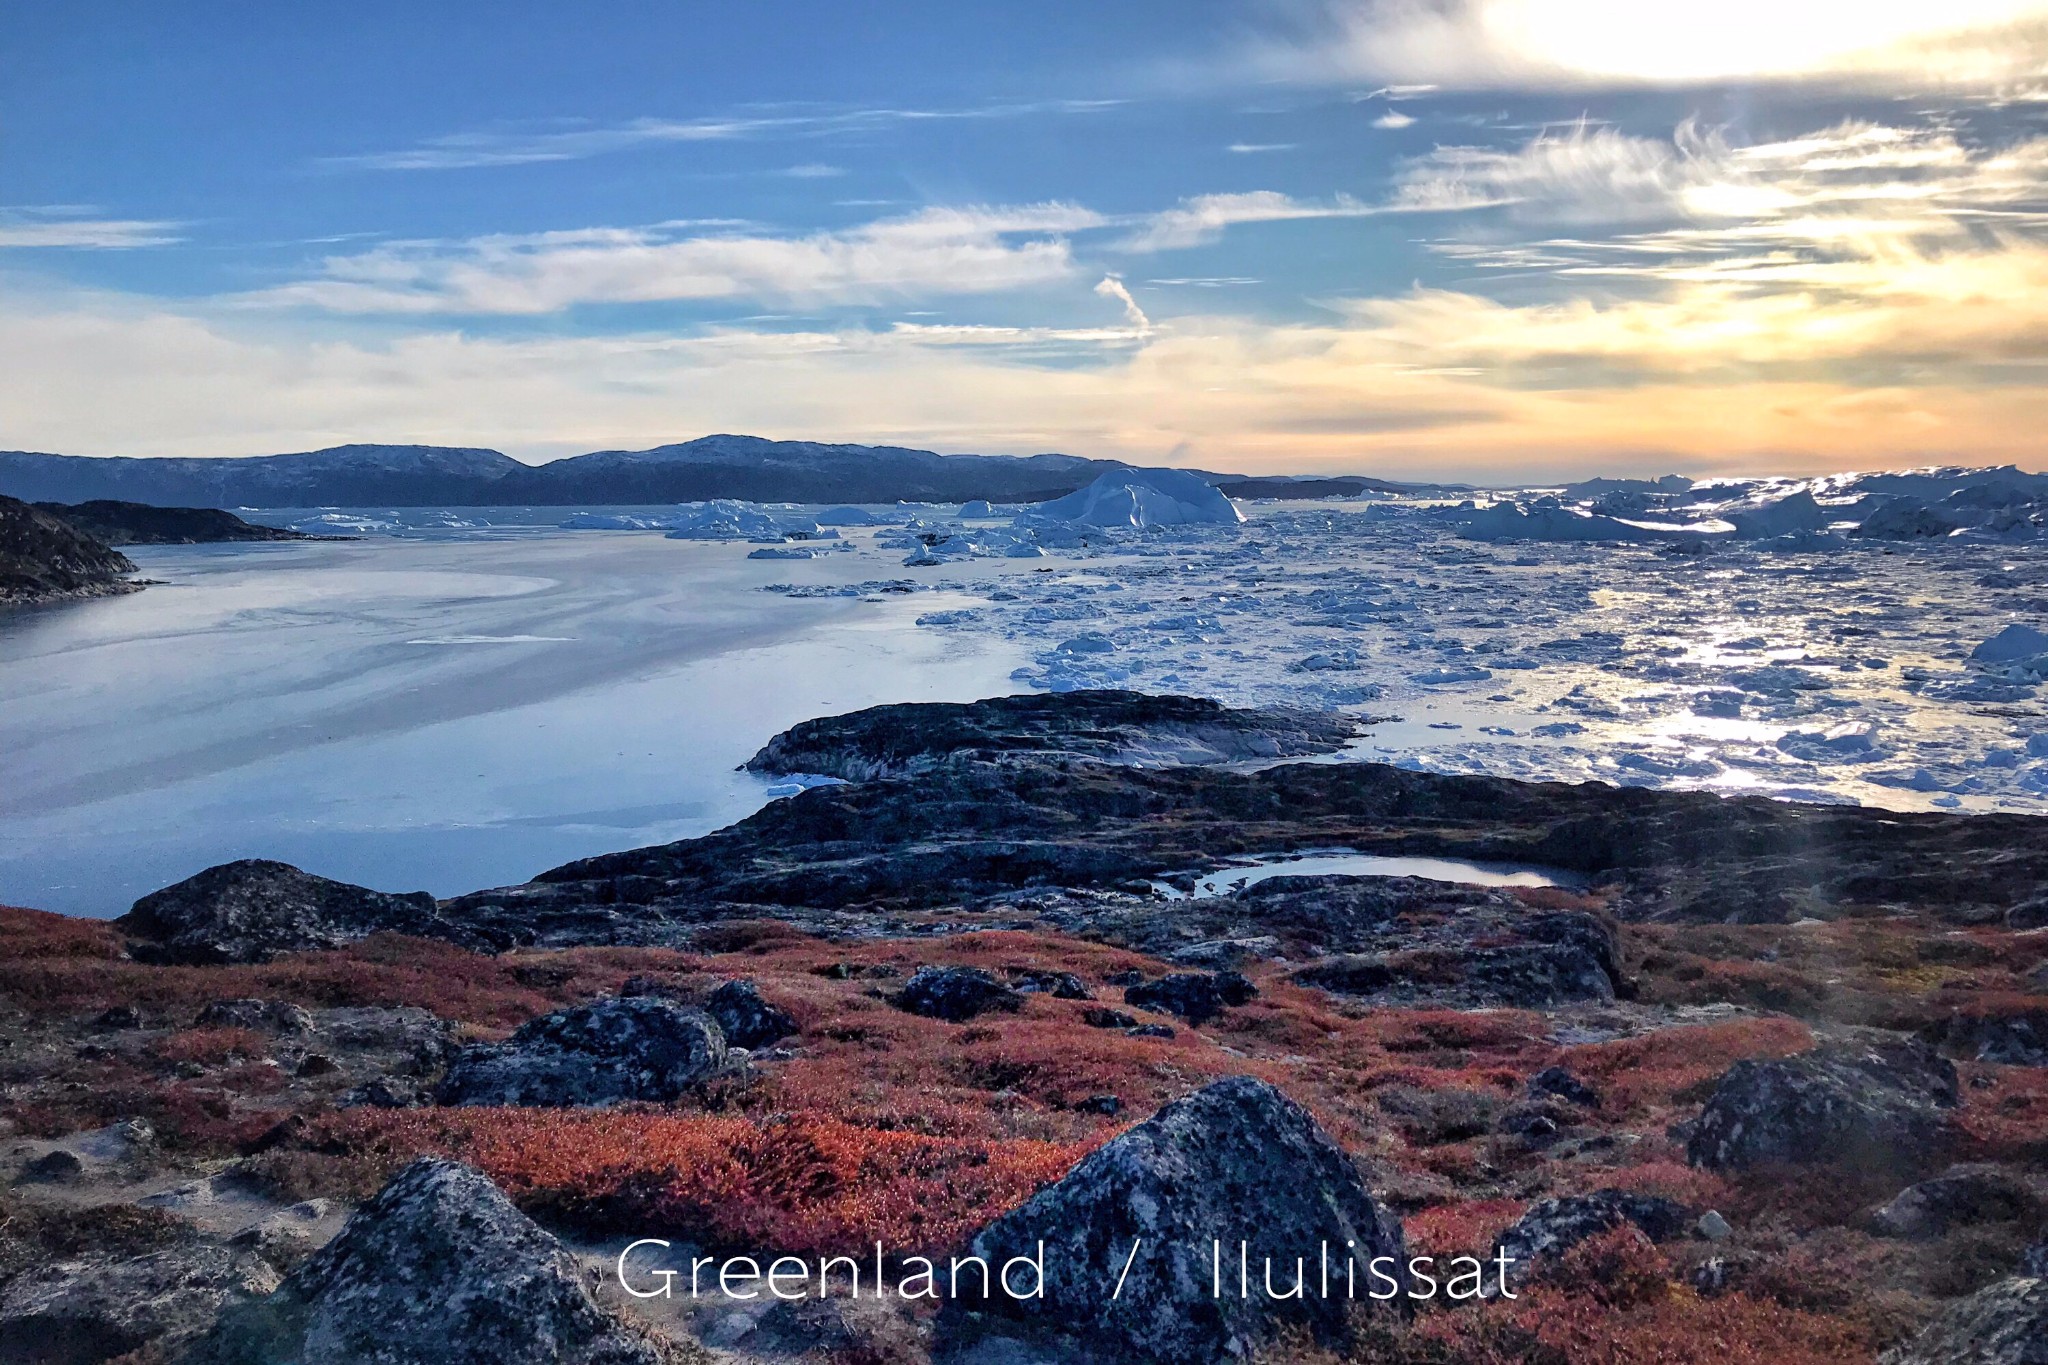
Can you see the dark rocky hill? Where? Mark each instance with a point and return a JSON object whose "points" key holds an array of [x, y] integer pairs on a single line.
{"points": [[45, 559], [137, 523]]}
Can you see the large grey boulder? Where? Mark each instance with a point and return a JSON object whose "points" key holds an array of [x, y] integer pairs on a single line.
{"points": [[1235, 1161], [1877, 1105], [253, 910], [607, 1052], [78, 1312], [438, 1269], [2002, 1324]]}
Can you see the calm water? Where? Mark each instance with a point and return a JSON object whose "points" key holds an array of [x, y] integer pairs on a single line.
{"points": [[441, 712]]}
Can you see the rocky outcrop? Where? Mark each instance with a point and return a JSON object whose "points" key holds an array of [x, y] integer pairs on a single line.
{"points": [[1878, 1105], [1235, 1161], [78, 1312], [902, 740], [2002, 1324], [438, 1269], [1962, 1196], [956, 994], [140, 523], [253, 910], [607, 1052], [1555, 1226], [994, 819], [47, 559], [745, 1018]]}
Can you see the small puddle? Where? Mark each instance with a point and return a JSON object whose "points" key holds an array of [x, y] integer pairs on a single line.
{"points": [[1340, 864]]}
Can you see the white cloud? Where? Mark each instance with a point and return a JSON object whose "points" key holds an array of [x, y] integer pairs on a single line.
{"points": [[1203, 219], [1615, 43], [935, 251], [75, 226], [1112, 287], [1254, 148], [1392, 120]]}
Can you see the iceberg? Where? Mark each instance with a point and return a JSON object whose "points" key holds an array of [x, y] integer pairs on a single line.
{"points": [[724, 519], [2014, 644], [1142, 498], [976, 510], [1764, 521], [851, 516]]}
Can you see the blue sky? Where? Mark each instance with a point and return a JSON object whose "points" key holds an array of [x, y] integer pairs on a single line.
{"points": [[1459, 237]]}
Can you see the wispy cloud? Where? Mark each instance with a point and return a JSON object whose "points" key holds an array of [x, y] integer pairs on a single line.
{"points": [[1542, 44], [518, 147], [1393, 119], [1254, 148], [77, 226], [932, 252], [1203, 219]]}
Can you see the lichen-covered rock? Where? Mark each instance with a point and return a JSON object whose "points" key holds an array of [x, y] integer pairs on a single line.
{"points": [[2034, 1260], [1235, 1161], [76, 1312], [1555, 1226], [747, 1020], [1879, 1105], [2002, 1324], [250, 911], [606, 1052], [2019, 1039], [956, 994], [438, 1269], [1194, 996], [1959, 1197]]}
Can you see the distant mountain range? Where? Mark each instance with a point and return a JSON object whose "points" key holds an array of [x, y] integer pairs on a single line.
{"points": [[744, 467]]}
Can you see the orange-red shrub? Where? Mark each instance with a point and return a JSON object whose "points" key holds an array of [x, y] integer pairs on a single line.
{"points": [[806, 1186]]}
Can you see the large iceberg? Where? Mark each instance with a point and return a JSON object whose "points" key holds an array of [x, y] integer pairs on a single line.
{"points": [[1142, 498]]}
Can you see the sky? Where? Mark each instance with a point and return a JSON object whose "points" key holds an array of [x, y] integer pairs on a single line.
{"points": [[1438, 238]]}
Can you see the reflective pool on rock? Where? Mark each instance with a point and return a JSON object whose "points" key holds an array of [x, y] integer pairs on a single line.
{"points": [[1339, 863]]}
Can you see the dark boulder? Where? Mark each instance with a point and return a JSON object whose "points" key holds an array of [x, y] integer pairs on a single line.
{"points": [[1194, 996], [438, 1269], [2002, 1324], [747, 1020], [79, 1312], [1880, 1106], [253, 910], [1961, 1196], [1235, 1161], [956, 994], [1557, 1082], [1101, 1016], [1555, 1226], [606, 1052]]}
